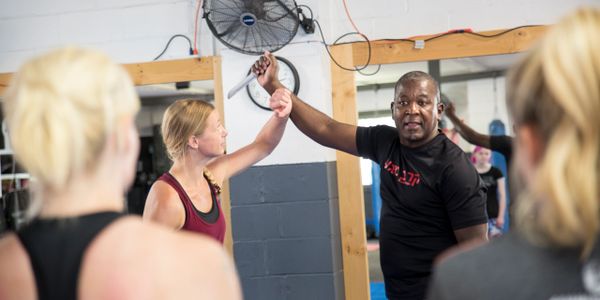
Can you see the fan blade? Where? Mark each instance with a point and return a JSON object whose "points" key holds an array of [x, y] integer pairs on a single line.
{"points": [[241, 85]]}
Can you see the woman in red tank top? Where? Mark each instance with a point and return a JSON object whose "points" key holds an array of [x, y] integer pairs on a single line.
{"points": [[187, 196]]}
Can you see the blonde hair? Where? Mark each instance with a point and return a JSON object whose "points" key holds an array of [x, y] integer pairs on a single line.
{"points": [[556, 90], [182, 119], [60, 109]]}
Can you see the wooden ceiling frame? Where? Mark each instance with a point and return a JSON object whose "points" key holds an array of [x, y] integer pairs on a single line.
{"points": [[351, 202]]}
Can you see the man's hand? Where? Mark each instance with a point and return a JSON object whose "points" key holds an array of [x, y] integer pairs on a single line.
{"points": [[266, 70], [281, 102]]}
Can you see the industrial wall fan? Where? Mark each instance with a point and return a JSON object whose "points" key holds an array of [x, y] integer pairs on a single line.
{"points": [[252, 26]]}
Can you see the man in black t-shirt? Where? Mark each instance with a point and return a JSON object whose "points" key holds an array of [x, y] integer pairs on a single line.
{"points": [[432, 195]]}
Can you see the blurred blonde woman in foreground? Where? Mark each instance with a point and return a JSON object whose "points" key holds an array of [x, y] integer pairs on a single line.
{"points": [[554, 98], [71, 117]]}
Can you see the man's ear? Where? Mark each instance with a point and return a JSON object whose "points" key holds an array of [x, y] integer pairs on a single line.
{"points": [[440, 109], [392, 106]]}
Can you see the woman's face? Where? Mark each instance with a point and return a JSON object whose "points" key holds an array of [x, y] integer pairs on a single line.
{"points": [[483, 156], [212, 141]]}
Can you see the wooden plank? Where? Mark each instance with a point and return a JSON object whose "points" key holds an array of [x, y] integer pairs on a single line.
{"points": [[167, 71], [450, 46], [220, 106], [4, 81], [351, 202]]}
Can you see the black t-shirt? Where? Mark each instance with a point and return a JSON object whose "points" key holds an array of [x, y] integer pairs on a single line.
{"points": [[502, 144], [490, 181], [427, 192]]}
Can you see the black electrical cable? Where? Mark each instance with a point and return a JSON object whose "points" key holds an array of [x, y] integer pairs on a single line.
{"points": [[356, 69], [370, 74], [191, 51], [412, 41], [464, 31], [501, 32], [333, 59]]}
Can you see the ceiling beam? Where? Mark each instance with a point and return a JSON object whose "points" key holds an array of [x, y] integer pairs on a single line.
{"points": [[449, 46], [166, 71], [443, 79]]}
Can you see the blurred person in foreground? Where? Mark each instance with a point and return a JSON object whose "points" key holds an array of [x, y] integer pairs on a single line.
{"points": [[554, 98], [71, 119]]}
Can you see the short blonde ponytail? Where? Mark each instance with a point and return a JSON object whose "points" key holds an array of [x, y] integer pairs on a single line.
{"points": [[60, 108]]}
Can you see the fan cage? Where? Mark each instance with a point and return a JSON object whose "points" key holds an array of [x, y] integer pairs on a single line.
{"points": [[252, 26]]}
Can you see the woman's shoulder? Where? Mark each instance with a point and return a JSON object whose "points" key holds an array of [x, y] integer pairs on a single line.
{"points": [[16, 277], [131, 234], [151, 257]]}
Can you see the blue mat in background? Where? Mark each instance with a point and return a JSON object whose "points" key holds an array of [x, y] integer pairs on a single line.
{"points": [[377, 291]]}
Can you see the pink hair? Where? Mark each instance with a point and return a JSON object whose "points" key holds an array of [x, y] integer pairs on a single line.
{"points": [[475, 150]]}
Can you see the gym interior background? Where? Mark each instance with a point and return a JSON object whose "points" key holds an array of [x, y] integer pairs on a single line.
{"points": [[285, 222]]}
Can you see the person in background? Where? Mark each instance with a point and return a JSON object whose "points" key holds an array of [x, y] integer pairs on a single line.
{"points": [[502, 144], [187, 196], [494, 181], [70, 116], [498, 143], [553, 95]]}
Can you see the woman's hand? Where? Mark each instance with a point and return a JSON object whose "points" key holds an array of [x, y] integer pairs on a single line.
{"points": [[281, 102]]}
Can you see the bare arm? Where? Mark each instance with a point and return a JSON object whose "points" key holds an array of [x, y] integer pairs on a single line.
{"points": [[265, 142], [163, 206], [501, 202], [313, 123], [471, 234], [323, 129], [468, 238], [470, 135]]}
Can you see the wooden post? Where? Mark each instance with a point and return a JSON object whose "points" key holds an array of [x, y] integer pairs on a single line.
{"points": [[350, 190], [220, 105]]}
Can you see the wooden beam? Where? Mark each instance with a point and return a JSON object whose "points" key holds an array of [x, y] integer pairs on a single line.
{"points": [[189, 69], [220, 106], [4, 81], [450, 46], [166, 71], [351, 202]]}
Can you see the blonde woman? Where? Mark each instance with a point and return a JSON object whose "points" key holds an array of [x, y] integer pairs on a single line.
{"points": [[187, 196], [70, 117], [554, 98]]}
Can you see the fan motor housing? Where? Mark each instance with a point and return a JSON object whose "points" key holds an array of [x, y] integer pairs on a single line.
{"points": [[248, 19]]}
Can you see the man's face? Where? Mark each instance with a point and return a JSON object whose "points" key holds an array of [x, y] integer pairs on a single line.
{"points": [[416, 112]]}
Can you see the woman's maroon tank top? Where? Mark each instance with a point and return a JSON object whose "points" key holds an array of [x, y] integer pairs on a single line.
{"points": [[193, 220]]}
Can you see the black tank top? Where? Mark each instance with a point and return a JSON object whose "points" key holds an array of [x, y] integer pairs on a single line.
{"points": [[56, 248]]}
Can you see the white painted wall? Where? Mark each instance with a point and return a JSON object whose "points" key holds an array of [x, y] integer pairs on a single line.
{"points": [[380, 19], [137, 30], [244, 119]]}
